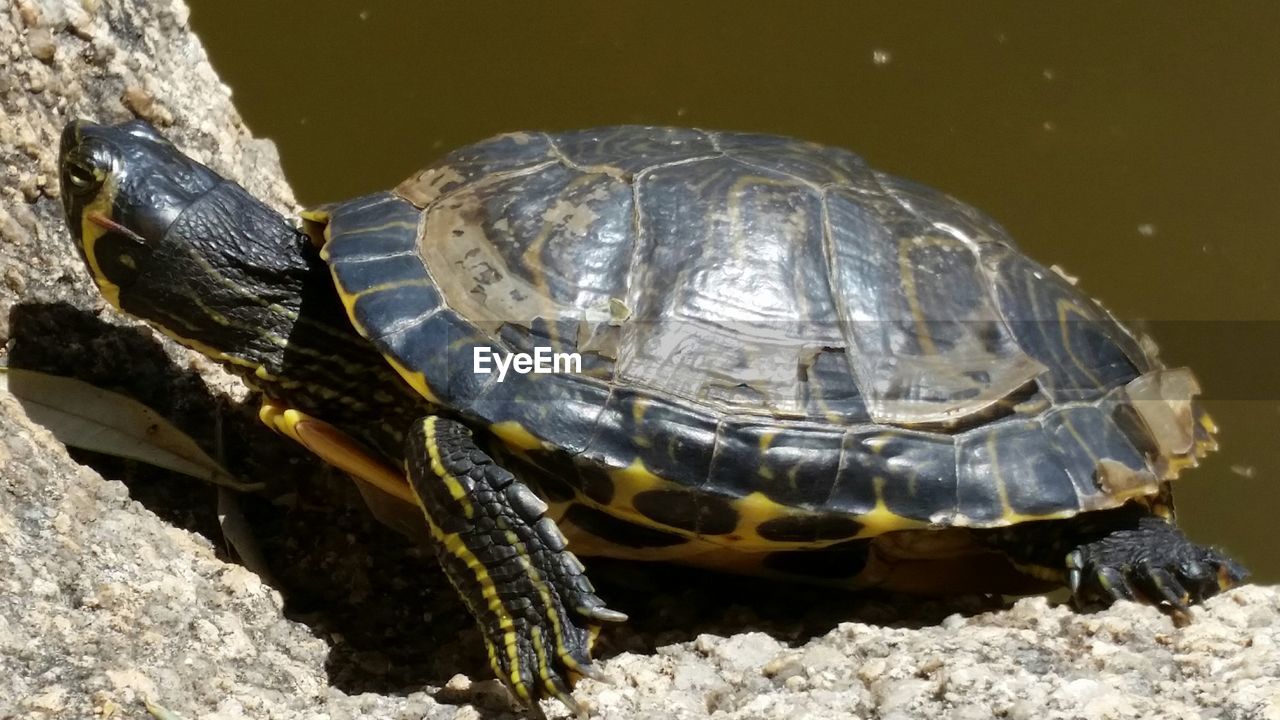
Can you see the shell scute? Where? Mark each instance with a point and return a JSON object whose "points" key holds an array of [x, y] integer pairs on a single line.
{"points": [[780, 344]]}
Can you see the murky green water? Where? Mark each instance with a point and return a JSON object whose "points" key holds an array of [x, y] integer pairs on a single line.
{"points": [[1137, 145]]}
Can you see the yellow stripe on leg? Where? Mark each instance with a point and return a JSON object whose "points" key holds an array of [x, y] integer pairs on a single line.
{"points": [[456, 489], [562, 650], [454, 545]]}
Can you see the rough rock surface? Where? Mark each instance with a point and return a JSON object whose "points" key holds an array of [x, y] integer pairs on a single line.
{"points": [[104, 603]]}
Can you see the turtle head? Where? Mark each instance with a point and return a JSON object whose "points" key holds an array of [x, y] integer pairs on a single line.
{"points": [[170, 241], [123, 187]]}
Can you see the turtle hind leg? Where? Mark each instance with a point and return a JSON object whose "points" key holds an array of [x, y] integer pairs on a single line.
{"points": [[1127, 553], [536, 609], [1149, 560]]}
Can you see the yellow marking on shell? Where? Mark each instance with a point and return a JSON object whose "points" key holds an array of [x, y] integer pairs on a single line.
{"points": [[516, 435], [1065, 306], [629, 482], [361, 230], [530, 257], [334, 447], [757, 508], [416, 380], [317, 219], [880, 519], [1009, 516], [896, 561], [1206, 421], [734, 197], [385, 287], [753, 509], [316, 215], [638, 476], [766, 439], [1075, 434], [587, 544], [908, 280], [877, 443], [1174, 465], [1105, 498], [453, 544], [639, 407]]}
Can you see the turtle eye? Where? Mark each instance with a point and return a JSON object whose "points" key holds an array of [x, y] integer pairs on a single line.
{"points": [[83, 180]]}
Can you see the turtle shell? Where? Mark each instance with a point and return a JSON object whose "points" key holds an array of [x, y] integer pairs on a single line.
{"points": [[778, 344]]}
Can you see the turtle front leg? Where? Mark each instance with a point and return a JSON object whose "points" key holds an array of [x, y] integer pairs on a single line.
{"points": [[1127, 553], [1150, 560], [536, 609]]}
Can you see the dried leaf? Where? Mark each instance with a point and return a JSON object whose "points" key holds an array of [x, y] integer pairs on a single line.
{"points": [[83, 416], [160, 712], [239, 535]]}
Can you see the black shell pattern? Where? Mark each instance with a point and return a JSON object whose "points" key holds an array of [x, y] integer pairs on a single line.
{"points": [[758, 317]]}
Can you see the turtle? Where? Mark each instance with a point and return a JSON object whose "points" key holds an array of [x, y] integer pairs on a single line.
{"points": [[738, 351]]}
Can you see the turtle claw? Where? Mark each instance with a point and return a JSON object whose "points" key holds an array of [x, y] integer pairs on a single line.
{"points": [[557, 689], [1075, 561], [1115, 583], [1160, 585], [604, 614], [591, 671], [1152, 563], [1230, 573]]}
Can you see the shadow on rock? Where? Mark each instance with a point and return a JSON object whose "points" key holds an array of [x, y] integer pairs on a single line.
{"points": [[670, 604], [388, 613], [383, 605]]}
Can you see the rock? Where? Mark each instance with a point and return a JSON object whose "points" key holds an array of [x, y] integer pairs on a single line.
{"points": [[40, 41], [104, 604]]}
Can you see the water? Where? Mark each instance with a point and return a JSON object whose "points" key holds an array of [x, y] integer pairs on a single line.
{"points": [[1135, 145]]}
